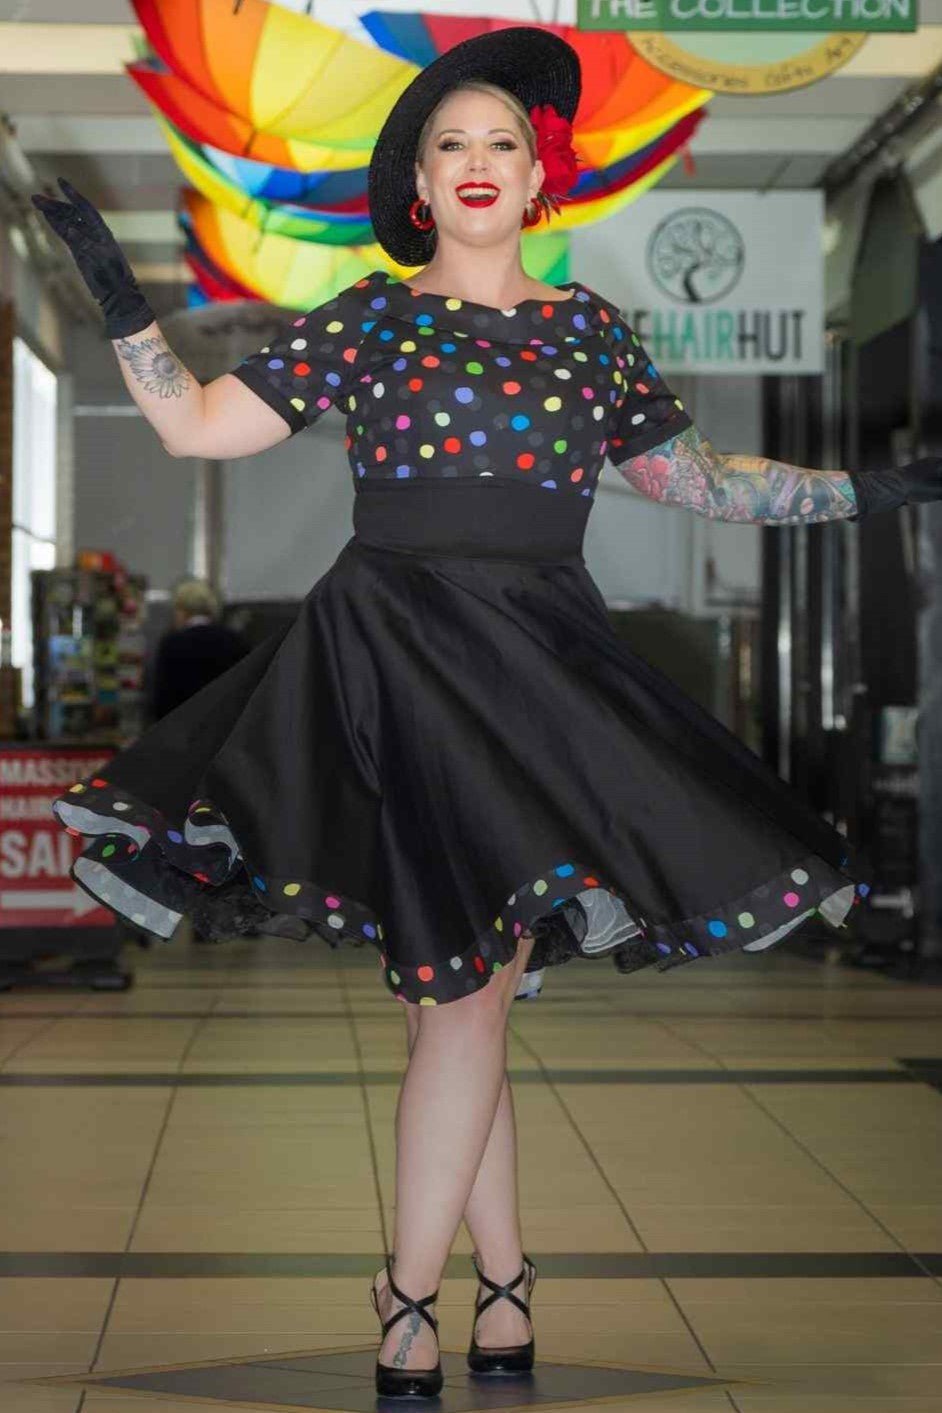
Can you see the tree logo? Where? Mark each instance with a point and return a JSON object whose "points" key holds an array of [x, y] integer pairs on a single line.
{"points": [[696, 255]]}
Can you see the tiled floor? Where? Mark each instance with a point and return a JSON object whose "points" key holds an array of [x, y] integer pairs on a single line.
{"points": [[730, 1172]]}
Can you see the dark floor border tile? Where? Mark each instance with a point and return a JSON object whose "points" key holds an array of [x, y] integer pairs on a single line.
{"points": [[927, 1071], [170, 1078], [559, 1265], [204, 1013], [163, 1079], [928, 1064], [730, 1075], [605, 1010], [153, 980], [340, 1010]]}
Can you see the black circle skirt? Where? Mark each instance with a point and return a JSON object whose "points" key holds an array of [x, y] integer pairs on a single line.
{"points": [[449, 746]]}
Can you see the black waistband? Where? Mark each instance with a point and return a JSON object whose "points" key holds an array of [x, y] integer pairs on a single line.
{"points": [[477, 517]]}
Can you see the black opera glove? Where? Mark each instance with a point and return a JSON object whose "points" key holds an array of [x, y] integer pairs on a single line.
{"points": [[101, 262], [902, 485]]}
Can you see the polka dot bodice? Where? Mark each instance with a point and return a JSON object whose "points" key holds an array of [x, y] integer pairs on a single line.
{"points": [[438, 387]]}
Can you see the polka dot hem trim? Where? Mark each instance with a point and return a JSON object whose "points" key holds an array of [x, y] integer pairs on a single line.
{"points": [[126, 866], [759, 919]]}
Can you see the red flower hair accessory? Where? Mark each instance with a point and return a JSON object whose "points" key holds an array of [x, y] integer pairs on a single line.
{"points": [[555, 151]]}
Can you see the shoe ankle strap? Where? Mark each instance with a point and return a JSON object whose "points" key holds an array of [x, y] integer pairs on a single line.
{"points": [[505, 1292], [410, 1306]]}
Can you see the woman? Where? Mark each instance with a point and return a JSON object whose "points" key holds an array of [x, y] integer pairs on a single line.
{"points": [[449, 754]]}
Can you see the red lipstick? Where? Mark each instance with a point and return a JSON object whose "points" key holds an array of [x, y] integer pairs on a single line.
{"points": [[477, 193]]}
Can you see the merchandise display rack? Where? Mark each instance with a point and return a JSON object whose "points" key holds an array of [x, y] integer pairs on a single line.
{"points": [[88, 703]]}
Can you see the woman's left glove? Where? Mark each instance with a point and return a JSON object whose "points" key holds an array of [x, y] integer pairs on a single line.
{"points": [[102, 263], [902, 485]]}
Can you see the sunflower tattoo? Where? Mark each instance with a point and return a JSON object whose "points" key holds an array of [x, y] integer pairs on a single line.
{"points": [[155, 367]]}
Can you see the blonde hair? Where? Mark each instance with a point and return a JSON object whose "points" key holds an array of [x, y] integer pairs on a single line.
{"points": [[510, 101], [195, 597]]}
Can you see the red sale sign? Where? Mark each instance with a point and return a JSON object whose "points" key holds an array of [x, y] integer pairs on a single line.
{"points": [[36, 853]]}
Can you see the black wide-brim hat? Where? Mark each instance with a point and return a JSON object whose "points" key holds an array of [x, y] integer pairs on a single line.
{"points": [[534, 65]]}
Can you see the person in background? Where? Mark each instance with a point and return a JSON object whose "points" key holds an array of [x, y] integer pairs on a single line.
{"points": [[195, 650]]}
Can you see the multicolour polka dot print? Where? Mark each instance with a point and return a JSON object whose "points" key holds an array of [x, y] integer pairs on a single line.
{"points": [[439, 388], [134, 850]]}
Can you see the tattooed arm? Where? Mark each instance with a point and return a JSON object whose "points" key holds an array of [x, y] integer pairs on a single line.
{"points": [[223, 419], [747, 489]]}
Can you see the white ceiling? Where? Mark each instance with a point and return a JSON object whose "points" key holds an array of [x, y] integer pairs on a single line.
{"points": [[76, 114]]}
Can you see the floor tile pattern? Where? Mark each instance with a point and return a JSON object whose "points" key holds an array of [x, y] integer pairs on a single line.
{"points": [[729, 1176]]}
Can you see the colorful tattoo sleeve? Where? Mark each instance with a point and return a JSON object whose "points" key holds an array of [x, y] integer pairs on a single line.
{"points": [[748, 489]]}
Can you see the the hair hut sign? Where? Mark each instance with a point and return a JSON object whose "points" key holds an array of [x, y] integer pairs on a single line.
{"points": [[701, 278]]}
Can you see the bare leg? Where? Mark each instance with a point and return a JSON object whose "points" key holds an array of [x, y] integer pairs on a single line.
{"points": [[448, 1102], [492, 1216]]}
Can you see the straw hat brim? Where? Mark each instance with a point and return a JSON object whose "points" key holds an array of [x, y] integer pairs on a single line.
{"points": [[533, 64]]}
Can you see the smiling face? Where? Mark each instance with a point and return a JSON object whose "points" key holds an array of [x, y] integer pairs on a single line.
{"points": [[475, 169]]}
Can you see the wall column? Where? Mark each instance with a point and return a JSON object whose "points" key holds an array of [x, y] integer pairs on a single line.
{"points": [[208, 510], [8, 677]]}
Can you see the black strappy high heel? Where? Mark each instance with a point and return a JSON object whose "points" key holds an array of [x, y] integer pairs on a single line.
{"points": [[514, 1358], [406, 1383]]}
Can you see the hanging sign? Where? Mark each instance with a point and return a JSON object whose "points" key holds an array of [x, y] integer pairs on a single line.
{"points": [[741, 65], [750, 16], [712, 44], [715, 281]]}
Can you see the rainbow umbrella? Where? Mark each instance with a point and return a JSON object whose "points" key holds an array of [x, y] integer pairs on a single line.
{"points": [[596, 194], [214, 287], [625, 103], [272, 116], [215, 283], [299, 221], [302, 274], [293, 273], [605, 180], [280, 72], [343, 191], [205, 122]]}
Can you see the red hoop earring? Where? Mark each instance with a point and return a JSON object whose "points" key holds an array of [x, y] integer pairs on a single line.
{"points": [[532, 214], [421, 223]]}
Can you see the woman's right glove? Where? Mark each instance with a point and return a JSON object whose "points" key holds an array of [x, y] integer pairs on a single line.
{"points": [[901, 485], [100, 260]]}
